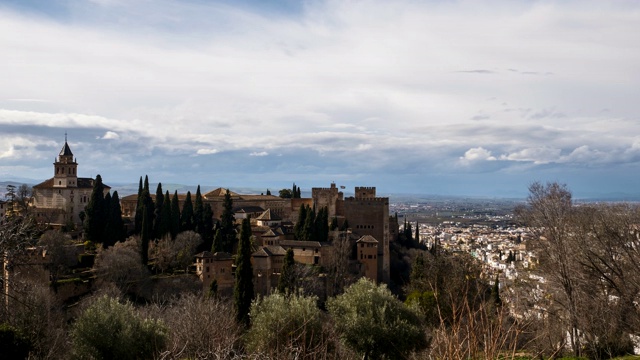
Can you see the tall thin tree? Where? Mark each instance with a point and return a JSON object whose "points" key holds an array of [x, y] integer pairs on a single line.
{"points": [[243, 291], [298, 228], [145, 235], [165, 224], [138, 216], [198, 214], [286, 282], [186, 218], [95, 217], [227, 224], [157, 222], [175, 215]]}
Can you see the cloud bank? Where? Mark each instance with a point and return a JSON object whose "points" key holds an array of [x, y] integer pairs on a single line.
{"points": [[402, 95]]}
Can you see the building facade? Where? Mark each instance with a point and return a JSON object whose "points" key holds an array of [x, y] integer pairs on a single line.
{"points": [[59, 200], [366, 214]]}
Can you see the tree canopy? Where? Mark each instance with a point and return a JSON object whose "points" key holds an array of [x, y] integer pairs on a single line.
{"points": [[372, 322]]}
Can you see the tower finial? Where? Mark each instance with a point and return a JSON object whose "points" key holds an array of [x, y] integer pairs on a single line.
{"points": [[65, 136]]}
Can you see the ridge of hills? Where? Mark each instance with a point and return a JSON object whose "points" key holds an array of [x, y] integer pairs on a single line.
{"points": [[125, 189]]}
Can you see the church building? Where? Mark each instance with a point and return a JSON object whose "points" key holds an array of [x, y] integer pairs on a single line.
{"points": [[60, 200]]}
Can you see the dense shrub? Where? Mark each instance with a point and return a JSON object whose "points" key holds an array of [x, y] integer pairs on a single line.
{"points": [[372, 322], [285, 324], [108, 329]]}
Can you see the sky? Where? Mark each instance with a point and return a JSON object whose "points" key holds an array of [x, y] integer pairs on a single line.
{"points": [[472, 98]]}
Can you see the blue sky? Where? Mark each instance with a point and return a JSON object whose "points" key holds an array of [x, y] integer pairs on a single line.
{"points": [[439, 97]]}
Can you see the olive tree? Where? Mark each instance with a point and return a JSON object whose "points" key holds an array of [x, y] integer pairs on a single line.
{"points": [[108, 329], [374, 323], [287, 326]]}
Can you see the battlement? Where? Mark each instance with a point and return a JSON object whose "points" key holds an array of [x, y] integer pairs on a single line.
{"points": [[333, 188], [365, 192], [319, 190], [368, 200]]}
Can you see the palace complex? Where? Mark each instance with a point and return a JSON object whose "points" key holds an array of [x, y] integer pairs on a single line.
{"points": [[363, 220]]}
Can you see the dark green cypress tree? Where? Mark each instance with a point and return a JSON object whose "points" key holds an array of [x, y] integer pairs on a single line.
{"points": [[286, 282], [309, 231], [418, 272], [345, 225], [334, 223], [138, 216], [294, 191], [175, 215], [321, 225], [107, 204], [416, 239], [207, 227], [324, 225], [95, 217], [227, 224], [298, 194], [198, 214], [218, 244], [165, 224], [298, 228], [157, 222], [114, 228], [145, 234], [495, 293], [105, 237], [186, 218], [144, 198], [243, 291], [268, 192], [147, 201], [117, 224], [408, 234]]}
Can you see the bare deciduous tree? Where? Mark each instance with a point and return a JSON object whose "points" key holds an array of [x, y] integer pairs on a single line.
{"points": [[60, 253], [178, 253], [550, 215], [589, 258], [199, 328], [122, 265], [339, 274]]}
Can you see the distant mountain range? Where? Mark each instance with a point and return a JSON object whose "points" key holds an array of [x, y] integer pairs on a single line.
{"points": [[125, 189]]}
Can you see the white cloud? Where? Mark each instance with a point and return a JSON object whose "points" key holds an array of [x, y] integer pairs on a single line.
{"points": [[206, 151], [110, 135], [382, 77], [477, 154], [7, 153], [539, 155], [261, 153], [585, 155]]}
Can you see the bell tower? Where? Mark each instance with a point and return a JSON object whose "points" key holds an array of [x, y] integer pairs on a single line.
{"points": [[65, 168]]}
